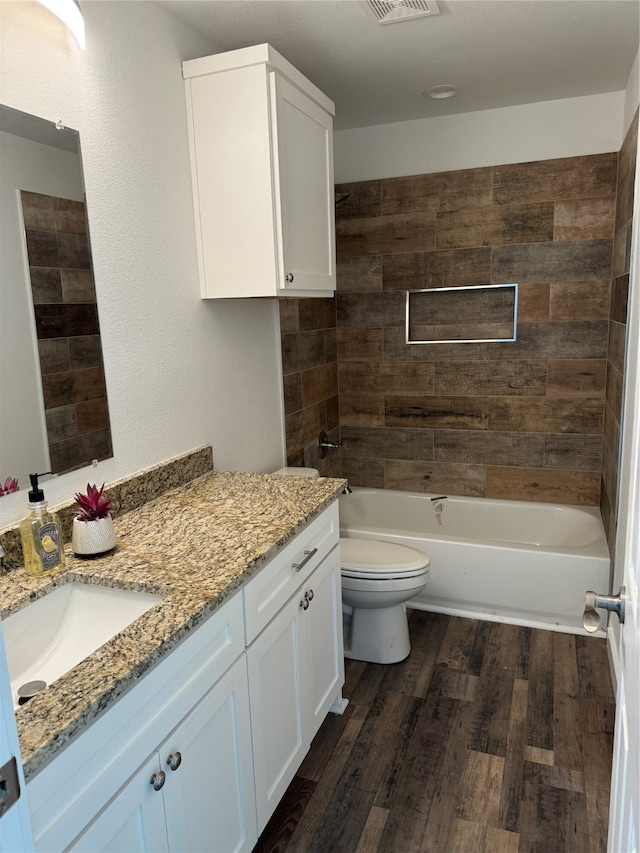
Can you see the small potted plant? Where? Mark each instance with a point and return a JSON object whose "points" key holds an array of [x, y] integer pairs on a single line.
{"points": [[93, 532]]}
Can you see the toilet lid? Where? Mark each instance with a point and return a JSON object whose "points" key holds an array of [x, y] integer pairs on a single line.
{"points": [[367, 557]]}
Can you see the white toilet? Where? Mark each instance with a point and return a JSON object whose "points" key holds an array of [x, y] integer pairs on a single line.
{"points": [[377, 579]]}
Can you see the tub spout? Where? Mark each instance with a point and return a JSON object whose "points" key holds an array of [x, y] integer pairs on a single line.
{"points": [[347, 490], [438, 505]]}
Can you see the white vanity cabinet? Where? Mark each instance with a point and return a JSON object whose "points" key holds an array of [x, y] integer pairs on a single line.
{"points": [[195, 792], [261, 141], [296, 664]]}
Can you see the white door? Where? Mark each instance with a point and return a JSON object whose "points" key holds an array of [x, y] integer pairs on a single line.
{"points": [[15, 825], [624, 816]]}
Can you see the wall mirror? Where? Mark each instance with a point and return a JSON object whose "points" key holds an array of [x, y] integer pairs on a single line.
{"points": [[53, 403]]}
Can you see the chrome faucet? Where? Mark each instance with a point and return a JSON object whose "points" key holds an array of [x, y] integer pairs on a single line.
{"points": [[324, 444], [438, 505]]}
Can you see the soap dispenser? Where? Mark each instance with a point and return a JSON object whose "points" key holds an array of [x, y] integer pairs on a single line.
{"points": [[41, 533]]}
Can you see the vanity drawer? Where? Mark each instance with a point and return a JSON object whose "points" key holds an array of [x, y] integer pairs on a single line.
{"points": [[270, 589]]}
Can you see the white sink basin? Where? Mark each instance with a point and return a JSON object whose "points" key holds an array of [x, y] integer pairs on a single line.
{"points": [[52, 635]]}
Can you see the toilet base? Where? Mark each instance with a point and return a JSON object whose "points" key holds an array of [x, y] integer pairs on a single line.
{"points": [[379, 635]]}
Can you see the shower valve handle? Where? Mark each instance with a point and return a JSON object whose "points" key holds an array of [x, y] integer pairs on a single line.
{"points": [[593, 600]]}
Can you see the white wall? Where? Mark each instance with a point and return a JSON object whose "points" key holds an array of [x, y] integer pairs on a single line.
{"points": [[566, 128], [632, 95], [31, 166], [181, 372]]}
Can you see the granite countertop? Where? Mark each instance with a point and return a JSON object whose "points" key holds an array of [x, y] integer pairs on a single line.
{"points": [[193, 546]]}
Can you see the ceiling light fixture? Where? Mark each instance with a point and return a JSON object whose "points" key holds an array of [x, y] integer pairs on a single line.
{"points": [[69, 12], [440, 92]]}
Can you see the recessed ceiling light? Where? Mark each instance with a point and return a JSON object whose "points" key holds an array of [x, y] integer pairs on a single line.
{"points": [[444, 91]]}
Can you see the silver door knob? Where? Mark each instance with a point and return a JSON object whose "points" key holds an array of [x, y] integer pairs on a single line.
{"points": [[174, 760], [593, 600], [158, 779]]}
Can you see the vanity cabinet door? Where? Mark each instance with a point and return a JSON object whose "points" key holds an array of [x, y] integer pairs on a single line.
{"points": [[195, 792]]}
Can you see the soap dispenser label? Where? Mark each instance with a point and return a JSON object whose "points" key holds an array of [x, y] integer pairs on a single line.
{"points": [[49, 546]]}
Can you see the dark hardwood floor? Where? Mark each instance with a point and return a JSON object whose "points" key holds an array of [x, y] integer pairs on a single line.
{"points": [[489, 738]]}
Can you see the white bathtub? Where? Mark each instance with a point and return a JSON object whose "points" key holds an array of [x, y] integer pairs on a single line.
{"points": [[509, 561]]}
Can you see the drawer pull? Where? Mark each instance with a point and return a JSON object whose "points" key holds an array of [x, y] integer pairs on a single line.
{"points": [[308, 556], [304, 603], [175, 760], [157, 780], [310, 595]]}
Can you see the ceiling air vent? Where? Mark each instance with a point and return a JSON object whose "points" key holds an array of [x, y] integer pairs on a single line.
{"points": [[392, 11]]}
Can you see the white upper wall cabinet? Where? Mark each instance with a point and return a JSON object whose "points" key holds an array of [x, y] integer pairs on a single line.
{"points": [[261, 140]]}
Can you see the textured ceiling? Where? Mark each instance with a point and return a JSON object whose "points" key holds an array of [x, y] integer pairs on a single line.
{"points": [[499, 52]]}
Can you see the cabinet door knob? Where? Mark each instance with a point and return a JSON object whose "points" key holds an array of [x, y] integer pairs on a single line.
{"points": [[175, 760], [289, 277], [310, 595], [304, 603], [158, 779]]}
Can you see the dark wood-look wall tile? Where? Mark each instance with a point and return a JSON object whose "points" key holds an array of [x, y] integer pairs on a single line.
{"points": [[74, 251], [363, 472], [379, 443], [616, 349], [330, 345], [66, 320], [367, 310], [494, 226], [621, 251], [42, 248], [620, 298], [546, 414], [466, 266], [579, 300], [591, 176], [533, 301], [396, 349], [574, 452], [319, 384], [333, 412], [411, 271], [70, 216], [303, 427], [610, 451], [438, 191], [92, 415], [289, 319], [302, 351], [584, 219], [292, 392], [364, 200], [436, 412], [77, 285], [362, 410], [459, 306], [614, 391], [46, 285], [490, 378], [358, 275], [74, 386], [386, 235], [572, 261], [576, 377], [54, 355], [485, 447], [37, 211], [61, 423], [364, 377], [360, 344], [626, 175], [316, 314], [586, 339], [418, 476], [85, 351], [581, 488]]}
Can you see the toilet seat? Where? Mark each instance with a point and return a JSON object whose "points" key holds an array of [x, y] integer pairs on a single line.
{"points": [[378, 560]]}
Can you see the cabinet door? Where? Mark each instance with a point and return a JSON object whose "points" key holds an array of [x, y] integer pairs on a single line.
{"points": [[276, 691], [305, 208], [133, 820], [209, 797], [323, 639]]}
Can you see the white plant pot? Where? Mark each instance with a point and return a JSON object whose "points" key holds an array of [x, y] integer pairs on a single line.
{"points": [[90, 538]]}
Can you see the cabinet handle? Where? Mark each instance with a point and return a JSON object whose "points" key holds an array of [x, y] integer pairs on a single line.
{"points": [[308, 556], [310, 595], [158, 779], [289, 277], [175, 760], [304, 603]]}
